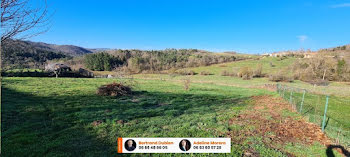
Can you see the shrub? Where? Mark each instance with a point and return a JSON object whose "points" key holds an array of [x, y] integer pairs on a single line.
{"points": [[235, 72], [245, 73], [280, 78], [114, 89], [225, 73], [172, 71], [205, 73], [282, 58], [319, 82], [187, 83], [186, 72], [258, 71]]}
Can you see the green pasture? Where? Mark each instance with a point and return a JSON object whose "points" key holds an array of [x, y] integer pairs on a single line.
{"points": [[53, 117], [277, 65]]}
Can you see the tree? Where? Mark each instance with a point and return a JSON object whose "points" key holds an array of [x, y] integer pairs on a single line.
{"points": [[100, 61], [17, 17]]}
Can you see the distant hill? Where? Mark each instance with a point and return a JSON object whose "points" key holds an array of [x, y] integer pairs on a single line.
{"points": [[70, 50], [28, 54], [25, 54], [100, 49]]}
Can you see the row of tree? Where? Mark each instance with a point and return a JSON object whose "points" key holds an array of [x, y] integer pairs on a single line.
{"points": [[322, 67], [154, 60], [100, 61]]}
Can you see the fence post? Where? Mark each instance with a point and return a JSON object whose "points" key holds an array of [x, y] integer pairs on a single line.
{"points": [[302, 101], [284, 89], [324, 115]]}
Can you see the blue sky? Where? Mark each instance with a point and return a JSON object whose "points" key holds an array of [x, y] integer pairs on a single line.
{"points": [[245, 26]]}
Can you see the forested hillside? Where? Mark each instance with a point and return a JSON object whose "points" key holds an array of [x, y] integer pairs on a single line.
{"points": [[20, 54], [155, 60], [28, 54]]}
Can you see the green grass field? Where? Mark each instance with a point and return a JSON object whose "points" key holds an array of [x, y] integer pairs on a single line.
{"points": [[252, 63], [57, 117], [53, 117]]}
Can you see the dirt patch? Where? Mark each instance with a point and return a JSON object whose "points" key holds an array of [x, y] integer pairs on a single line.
{"points": [[265, 119]]}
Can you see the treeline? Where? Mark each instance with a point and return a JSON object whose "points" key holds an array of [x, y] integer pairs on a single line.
{"points": [[101, 61], [18, 56], [322, 67], [137, 61]]}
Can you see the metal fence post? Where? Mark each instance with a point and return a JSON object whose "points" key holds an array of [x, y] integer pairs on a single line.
{"points": [[284, 89], [302, 101], [324, 115]]}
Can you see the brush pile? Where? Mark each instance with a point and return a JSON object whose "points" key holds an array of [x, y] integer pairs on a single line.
{"points": [[114, 89]]}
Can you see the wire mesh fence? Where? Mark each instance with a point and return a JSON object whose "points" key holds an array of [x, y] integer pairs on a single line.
{"points": [[329, 112]]}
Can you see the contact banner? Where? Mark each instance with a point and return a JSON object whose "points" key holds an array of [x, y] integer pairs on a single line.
{"points": [[174, 145]]}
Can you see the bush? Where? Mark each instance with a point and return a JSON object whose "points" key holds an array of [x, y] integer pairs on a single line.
{"points": [[280, 78], [187, 83], [114, 89], [319, 82], [225, 73], [258, 71], [186, 72], [245, 73], [235, 72], [205, 73]]}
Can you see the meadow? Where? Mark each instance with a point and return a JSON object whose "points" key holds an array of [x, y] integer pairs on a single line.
{"points": [[269, 64], [65, 117]]}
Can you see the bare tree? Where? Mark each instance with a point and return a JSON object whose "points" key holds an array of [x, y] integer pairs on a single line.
{"points": [[18, 16]]}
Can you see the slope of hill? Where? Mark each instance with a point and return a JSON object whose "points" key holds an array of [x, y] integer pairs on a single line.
{"points": [[269, 65], [70, 50], [99, 49], [28, 54]]}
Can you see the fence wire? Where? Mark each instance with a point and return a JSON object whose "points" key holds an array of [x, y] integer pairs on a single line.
{"points": [[331, 115]]}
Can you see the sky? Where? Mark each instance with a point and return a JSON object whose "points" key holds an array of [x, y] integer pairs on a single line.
{"points": [[244, 26]]}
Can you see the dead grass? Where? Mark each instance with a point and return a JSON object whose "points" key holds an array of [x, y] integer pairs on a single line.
{"points": [[265, 119]]}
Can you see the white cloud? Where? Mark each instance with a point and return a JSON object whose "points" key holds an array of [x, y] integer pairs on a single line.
{"points": [[341, 5], [302, 38]]}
